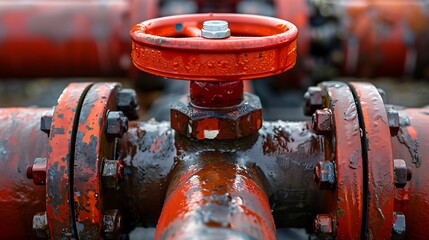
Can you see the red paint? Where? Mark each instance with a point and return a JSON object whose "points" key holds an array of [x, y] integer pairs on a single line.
{"points": [[215, 195], [259, 47], [346, 203], [413, 200], [216, 94], [380, 161], [59, 159], [21, 142], [92, 147]]}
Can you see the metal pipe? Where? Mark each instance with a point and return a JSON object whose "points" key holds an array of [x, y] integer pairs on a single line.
{"points": [[213, 195], [282, 151], [21, 142]]}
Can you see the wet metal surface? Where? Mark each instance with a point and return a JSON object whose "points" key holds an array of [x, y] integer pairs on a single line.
{"points": [[21, 142], [59, 203], [283, 152], [92, 146]]}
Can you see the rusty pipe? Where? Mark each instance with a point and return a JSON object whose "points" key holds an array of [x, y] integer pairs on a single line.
{"points": [[282, 151], [21, 142], [214, 196]]}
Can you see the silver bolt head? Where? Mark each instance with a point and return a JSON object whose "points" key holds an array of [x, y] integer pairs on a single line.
{"points": [[215, 29]]}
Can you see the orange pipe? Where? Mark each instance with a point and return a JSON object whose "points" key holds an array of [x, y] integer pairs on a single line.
{"points": [[213, 197]]}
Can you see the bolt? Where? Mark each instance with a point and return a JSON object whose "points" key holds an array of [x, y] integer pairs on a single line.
{"points": [[324, 175], [117, 124], [323, 226], [215, 29], [40, 225], [127, 102], [112, 173], [382, 95], [322, 121], [312, 100], [402, 173], [37, 171], [46, 122], [393, 121], [399, 226], [112, 223]]}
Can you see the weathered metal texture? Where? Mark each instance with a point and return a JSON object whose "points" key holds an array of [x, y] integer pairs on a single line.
{"points": [[377, 152], [21, 142], [216, 94], [384, 37], [172, 47], [217, 123], [343, 146], [59, 181], [212, 197], [64, 38], [93, 146], [412, 145], [282, 151]]}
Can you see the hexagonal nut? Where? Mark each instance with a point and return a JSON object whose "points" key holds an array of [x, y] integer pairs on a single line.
{"points": [[112, 224], [393, 120], [322, 121], [37, 171], [46, 122], [127, 102], [40, 225], [323, 226], [324, 175], [222, 123], [117, 124], [399, 226], [112, 173], [215, 29], [401, 173], [312, 100]]}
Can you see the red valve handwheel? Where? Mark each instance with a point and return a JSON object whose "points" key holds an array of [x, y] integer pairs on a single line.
{"points": [[173, 47]]}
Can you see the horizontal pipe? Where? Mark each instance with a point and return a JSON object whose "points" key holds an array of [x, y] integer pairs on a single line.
{"points": [[21, 142]]}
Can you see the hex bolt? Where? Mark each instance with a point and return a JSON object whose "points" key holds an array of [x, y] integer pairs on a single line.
{"points": [[402, 173], [126, 101], [322, 121], [112, 223], [46, 122], [324, 175], [117, 124], [399, 226], [37, 171], [112, 173], [312, 100], [40, 225], [215, 29], [393, 121], [323, 226]]}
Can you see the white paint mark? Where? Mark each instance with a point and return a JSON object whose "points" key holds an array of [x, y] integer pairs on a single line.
{"points": [[210, 134]]}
